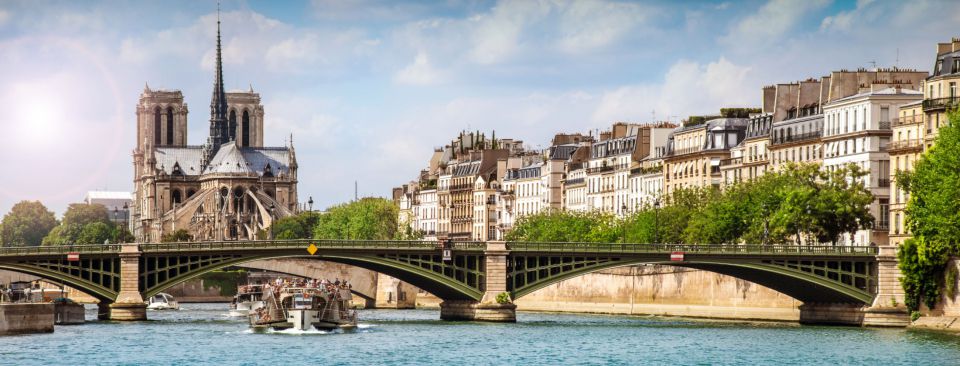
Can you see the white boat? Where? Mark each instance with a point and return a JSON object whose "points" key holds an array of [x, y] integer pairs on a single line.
{"points": [[306, 309], [162, 301], [248, 300]]}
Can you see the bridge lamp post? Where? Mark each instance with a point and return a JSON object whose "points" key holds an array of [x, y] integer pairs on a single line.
{"points": [[656, 221], [623, 211], [310, 203], [272, 207]]}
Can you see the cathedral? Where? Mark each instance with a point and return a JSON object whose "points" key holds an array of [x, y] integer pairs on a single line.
{"points": [[230, 188]]}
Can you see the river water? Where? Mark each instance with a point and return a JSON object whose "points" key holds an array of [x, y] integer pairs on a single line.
{"points": [[204, 334]]}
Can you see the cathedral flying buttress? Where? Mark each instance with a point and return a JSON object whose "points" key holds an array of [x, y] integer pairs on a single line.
{"points": [[229, 188]]}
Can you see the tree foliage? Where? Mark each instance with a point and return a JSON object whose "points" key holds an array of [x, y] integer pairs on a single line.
{"points": [[933, 214], [26, 224], [566, 226], [299, 226], [364, 219], [180, 235], [87, 224], [798, 204]]}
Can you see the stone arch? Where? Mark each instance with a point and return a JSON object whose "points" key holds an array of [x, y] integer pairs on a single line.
{"points": [[245, 129], [233, 124], [170, 128], [175, 197], [157, 128]]}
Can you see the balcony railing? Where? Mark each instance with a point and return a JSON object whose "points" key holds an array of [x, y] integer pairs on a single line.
{"points": [[884, 125], [731, 161], [607, 168], [684, 151], [905, 145], [940, 103], [883, 182], [813, 135], [574, 181], [908, 120]]}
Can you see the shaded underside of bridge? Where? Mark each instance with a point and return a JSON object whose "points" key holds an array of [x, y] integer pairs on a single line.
{"points": [[811, 274]]}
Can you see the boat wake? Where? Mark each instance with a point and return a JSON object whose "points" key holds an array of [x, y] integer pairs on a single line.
{"points": [[294, 331]]}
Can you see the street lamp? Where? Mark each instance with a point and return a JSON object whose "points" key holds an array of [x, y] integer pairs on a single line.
{"points": [[272, 207], [656, 221], [623, 211], [310, 203]]}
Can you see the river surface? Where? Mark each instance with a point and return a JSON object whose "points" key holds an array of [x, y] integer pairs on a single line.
{"points": [[204, 334]]}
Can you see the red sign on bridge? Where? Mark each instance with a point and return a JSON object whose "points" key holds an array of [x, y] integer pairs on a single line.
{"points": [[676, 256], [73, 257]]}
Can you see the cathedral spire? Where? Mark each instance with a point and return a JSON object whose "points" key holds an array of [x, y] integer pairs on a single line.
{"points": [[219, 133]]}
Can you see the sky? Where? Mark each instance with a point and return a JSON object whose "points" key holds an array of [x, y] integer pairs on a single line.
{"points": [[368, 88]]}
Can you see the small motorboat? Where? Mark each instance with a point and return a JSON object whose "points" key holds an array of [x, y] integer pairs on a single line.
{"points": [[162, 301]]}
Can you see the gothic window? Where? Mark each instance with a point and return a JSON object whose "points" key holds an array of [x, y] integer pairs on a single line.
{"points": [[169, 125], [233, 124], [245, 129], [175, 197], [156, 127], [190, 193]]}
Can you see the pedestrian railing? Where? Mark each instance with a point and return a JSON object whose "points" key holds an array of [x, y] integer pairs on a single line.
{"points": [[430, 245], [690, 248], [60, 249]]}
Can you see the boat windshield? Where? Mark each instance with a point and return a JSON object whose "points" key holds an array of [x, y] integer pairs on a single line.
{"points": [[301, 302], [159, 298]]}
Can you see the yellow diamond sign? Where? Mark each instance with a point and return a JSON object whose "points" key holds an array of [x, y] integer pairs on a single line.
{"points": [[312, 249]]}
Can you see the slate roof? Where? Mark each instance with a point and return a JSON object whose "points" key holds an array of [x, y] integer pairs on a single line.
{"points": [[230, 159]]}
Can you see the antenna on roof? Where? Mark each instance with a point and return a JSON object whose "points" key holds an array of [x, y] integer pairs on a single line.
{"points": [[897, 63], [874, 63]]}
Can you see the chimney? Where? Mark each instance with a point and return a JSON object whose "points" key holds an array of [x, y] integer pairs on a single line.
{"points": [[769, 96], [944, 48]]}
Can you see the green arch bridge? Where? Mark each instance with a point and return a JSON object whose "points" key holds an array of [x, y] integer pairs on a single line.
{"points": [[468, 276]]}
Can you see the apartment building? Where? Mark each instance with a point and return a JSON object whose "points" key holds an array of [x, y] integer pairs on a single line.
{"points": [[694, 152], [906, 146], [858, 131]]}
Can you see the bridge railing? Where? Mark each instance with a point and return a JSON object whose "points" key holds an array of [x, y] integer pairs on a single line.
{"points": [[562, 247], [60, 249], [304, 243]]}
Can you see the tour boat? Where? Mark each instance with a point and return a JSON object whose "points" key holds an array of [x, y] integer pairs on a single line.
{"points": [[248, 299], [325, 308], [162, 301]]}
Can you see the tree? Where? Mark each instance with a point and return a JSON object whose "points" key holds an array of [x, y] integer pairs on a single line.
{"points": [[96, 233], [296, 227], [567, 226], [933, 212], [63, 234], [121, 235], [364, 219], [83, 213], [26, 224], [180, 235]]}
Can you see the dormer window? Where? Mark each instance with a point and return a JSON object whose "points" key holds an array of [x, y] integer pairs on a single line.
{"points": [[267, 171], [176, 169]]}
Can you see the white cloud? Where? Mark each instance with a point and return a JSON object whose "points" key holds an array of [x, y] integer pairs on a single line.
{"points": [[844, 20], [771, 22], [687, 88], [420, 72], [587, 25], [4, 16]]}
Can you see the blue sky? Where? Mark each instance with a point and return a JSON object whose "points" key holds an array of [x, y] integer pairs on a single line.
{"points": [[368, 88]]}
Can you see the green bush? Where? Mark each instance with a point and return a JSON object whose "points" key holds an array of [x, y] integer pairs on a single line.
{"points": [[503, 298], [914, 315]]}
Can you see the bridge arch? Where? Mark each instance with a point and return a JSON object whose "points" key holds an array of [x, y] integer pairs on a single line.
{"points": [[806, 284], [436, 283], [98, 291]]}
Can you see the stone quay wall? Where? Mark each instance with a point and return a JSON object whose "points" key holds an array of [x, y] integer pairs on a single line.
{"points": [[664, 291], [26, 318]]}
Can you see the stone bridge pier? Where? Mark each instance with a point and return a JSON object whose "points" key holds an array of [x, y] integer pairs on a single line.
{"points": [[495, 283], [129, 305]]}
